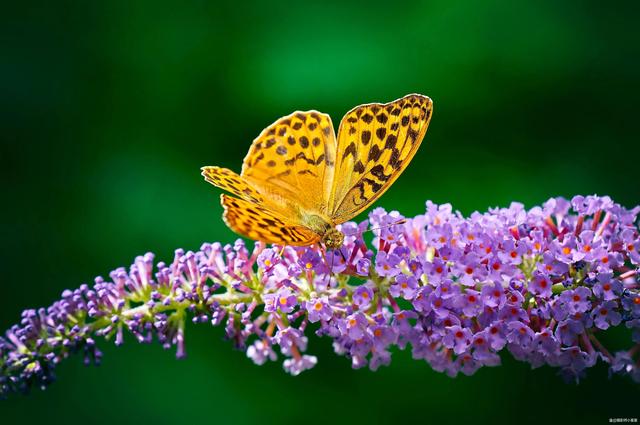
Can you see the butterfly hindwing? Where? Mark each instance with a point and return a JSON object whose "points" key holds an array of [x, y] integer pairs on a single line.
{"points": [[376, 142], [259, 223], [292, 161]]}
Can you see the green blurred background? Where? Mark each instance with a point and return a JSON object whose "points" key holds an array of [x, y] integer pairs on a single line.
{"points": [[108, 110]]}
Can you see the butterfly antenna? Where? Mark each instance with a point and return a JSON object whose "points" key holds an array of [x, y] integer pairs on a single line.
{"points": [[395, 223]]}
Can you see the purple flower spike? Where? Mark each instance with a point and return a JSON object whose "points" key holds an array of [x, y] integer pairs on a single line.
{"points": [[541, 284]]}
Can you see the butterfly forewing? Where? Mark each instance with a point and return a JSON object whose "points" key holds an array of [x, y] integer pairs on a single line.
{"points": [[376, 142], [293, 162], [256, 222], [232, 182]]}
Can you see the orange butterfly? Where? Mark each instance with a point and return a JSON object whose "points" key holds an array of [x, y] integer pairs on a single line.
{"points": [[298, 182]]}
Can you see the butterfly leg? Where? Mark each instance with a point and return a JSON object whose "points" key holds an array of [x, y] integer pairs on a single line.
{"points": [[342, 255], [323, 252]]}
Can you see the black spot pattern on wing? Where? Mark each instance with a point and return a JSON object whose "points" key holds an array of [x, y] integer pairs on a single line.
{"points": [[375, 144], [294, 160]]}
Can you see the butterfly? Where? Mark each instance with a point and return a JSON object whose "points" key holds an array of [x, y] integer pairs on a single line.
{"points": [[298, 181]]}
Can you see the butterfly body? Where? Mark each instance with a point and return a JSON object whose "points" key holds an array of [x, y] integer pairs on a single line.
{"points": [[298, 181], [325, 230], [333, 238]]}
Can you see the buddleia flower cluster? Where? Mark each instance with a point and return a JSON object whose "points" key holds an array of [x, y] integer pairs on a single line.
{"points": [[542, 284]]}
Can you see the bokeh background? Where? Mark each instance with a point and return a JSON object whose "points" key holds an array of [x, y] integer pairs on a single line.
{"points": [[108, 109]]}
